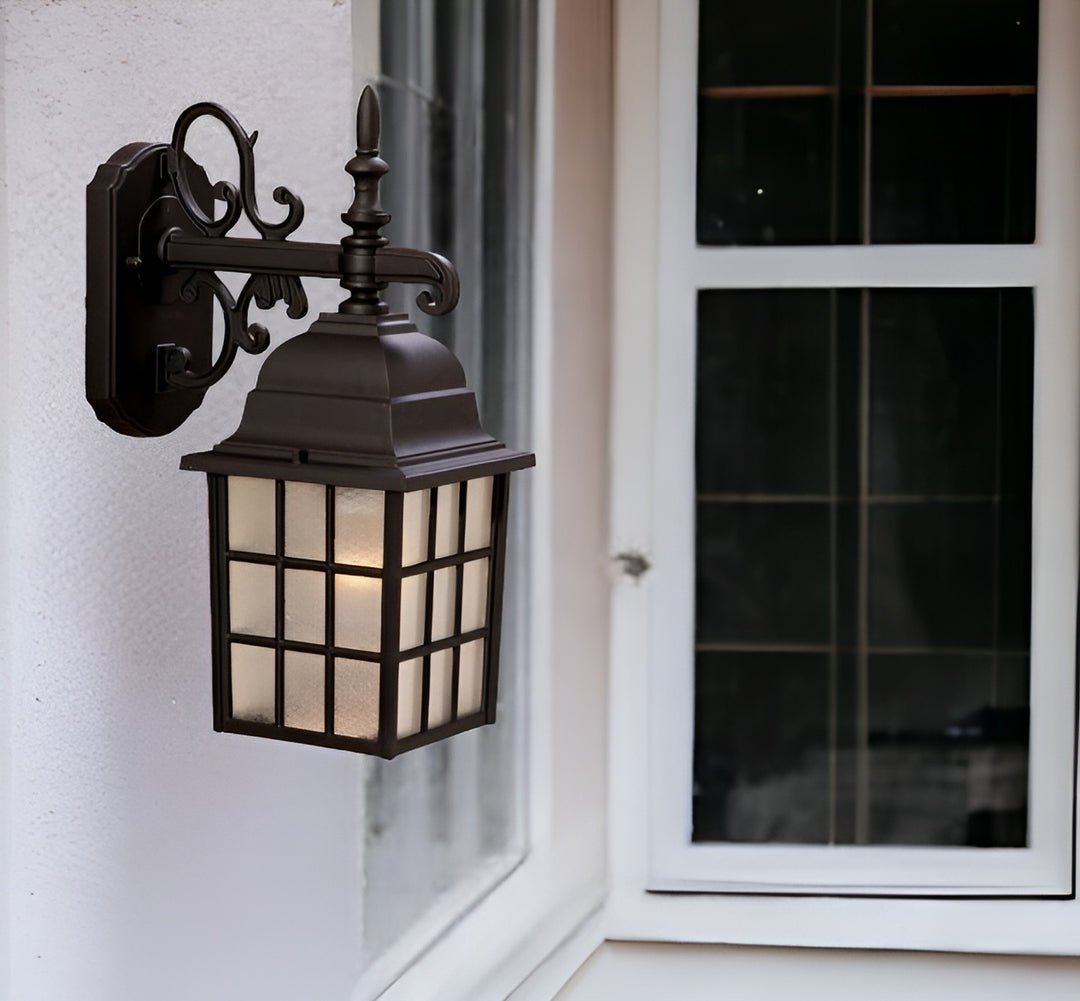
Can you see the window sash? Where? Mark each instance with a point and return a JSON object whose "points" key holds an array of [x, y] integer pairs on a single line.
{"points": [[1045, 867]]}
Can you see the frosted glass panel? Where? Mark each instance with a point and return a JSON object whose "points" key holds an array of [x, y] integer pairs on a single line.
{"points": [[474, 595], [305, 680], [471, 678], [356, 698], [305, 520], [252, 519], [446, 520], [440, 690], [478, 513], [358, 612], [252, 682], [413, 599], [410, 691], [358, 526], [305, 606], [442, 604], [251, 598], [414, 535]]}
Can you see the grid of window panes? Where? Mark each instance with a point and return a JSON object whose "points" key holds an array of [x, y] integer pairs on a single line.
{"points": [[305, 579], [863, 456], [866, 121], [863, 566]]}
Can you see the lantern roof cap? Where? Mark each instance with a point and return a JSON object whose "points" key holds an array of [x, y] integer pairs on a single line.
{"points": [[361, 400]]}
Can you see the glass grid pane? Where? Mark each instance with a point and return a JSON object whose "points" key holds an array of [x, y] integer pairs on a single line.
{"points": [[863, 608], [896, 121], [251, 514], [251, 598], [356, 698], [252, 682], [305, 520], [305, 680]]}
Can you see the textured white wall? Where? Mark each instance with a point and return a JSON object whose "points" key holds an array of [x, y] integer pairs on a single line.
{"points": [[149, 858], [648, 972]]}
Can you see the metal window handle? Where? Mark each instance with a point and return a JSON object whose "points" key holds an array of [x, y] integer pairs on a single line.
{"points": [[633, 563]]}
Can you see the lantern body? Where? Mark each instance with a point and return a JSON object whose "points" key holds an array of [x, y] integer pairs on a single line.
{"points": [[357, 532], [352, 617]]}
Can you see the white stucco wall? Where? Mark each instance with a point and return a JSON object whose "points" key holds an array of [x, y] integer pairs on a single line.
{"points": [[149, 858]]}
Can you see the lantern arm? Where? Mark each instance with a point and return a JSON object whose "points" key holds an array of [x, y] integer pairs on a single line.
{"points": [[423, 267], [156, 249], [180, 250]]}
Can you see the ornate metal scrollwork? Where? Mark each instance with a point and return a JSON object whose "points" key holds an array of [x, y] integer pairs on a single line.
{"points": [[242, 200], [264, 289], [157, 254], [363, 263]]}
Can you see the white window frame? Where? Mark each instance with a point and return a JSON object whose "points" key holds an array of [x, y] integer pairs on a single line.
{"points": [[561, 884], [652, 630]]}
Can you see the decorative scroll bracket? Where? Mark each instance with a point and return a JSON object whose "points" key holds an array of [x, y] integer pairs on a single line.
{"points": [[155, 250]]}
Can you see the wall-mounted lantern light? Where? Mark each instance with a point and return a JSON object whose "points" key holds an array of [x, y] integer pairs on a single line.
{"points": [[358, 513]]}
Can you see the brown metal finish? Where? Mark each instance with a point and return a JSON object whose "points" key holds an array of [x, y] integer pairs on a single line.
{"points": [[362, 399], [131, 308], [154, 250]]}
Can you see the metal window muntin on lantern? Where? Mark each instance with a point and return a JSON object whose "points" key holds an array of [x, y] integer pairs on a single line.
{"points": [[395, 652]]}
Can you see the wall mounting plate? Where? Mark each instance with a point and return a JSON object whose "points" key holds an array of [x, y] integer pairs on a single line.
{"points": [[133, 302]]}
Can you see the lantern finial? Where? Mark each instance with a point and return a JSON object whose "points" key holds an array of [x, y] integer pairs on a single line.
{"points": [[366, 215]]}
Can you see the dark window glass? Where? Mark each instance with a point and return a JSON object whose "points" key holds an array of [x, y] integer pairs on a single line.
{"points": [[955, 42], [953, 169], [739, 43], [863, 565], [765, 171], [762, 738], [844, 121]]}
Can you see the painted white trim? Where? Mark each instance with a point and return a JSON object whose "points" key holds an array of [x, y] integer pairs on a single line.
{"points": [[654, 614], [545, 982]]}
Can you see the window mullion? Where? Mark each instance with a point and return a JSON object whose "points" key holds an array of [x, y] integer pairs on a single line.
{"points": [[896, 266]]}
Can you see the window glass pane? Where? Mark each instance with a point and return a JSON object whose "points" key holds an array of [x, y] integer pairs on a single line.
{"points": [[765, 168], [440, 696], [416, 509], [471, 678], [252, 680], [356, 698], [252, 519], [849, 121], [478, 513], [305, 680], [953, 169], [413, 610], [474, 595], [305, 520], [948, 750], [358, 526], [761, 747], [457, 91], [442, 603], [357, 612], [748, 42], [305, 606], [863, 615], [955, 41], [252, 604], [410, 689], [446, 522]]}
